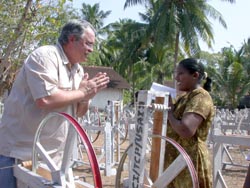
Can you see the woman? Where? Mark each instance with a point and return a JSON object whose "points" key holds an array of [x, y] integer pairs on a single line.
{"points": [[189, 121], [247, 179]]}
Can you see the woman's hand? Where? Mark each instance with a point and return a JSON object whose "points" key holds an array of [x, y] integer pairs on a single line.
{"points": [[171, 105]]}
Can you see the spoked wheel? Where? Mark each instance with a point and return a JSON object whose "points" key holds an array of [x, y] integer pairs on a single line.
{"points": [[73, 170], [181, 162], [93, 120], [122, 130]]}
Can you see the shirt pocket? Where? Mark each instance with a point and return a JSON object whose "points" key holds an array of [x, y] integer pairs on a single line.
{"points": [[65, 84]]}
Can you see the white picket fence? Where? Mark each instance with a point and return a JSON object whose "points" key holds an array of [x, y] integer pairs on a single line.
{"points": [[230, 129], [1, 110]]}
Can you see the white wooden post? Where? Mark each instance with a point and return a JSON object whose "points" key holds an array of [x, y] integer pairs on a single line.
{"points": [[108, 150], [136, 174]]}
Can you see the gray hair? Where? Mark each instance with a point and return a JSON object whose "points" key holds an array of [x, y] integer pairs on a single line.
{"points": [[76, 28]]}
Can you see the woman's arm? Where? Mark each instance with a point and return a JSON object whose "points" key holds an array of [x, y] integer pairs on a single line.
{"points": [[187, 126]]}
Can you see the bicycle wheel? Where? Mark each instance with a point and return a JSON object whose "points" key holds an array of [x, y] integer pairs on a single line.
{"points": [[74, 170], [181, 162]]}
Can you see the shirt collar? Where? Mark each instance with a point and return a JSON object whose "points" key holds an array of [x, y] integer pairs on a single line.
{"points": [[63, 55], [65, 60]]}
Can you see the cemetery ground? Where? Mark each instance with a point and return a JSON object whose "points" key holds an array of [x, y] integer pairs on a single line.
{"points": [[234, 176]]}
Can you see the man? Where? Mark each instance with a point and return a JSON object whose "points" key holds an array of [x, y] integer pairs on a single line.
{"points": [[50, 79]]}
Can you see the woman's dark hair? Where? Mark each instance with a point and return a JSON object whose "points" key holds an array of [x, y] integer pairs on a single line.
{"points": [[192, 66]]}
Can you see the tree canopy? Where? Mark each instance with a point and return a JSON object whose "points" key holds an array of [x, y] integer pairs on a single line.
{"points": [[142, 52]]}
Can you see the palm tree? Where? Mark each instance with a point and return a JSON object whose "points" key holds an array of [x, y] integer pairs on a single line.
{"points": [[244, 54], [94, 15], [180, 23], [124, 44], [230, 79]]}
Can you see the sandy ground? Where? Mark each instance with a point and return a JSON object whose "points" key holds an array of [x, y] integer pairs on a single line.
{"points": [[234, 175]]}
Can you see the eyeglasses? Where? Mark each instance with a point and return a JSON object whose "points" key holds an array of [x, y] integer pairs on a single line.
{"points": [[87, 43]]}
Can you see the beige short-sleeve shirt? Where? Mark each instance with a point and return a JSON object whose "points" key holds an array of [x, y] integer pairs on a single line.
{"points": [[43, 72]]}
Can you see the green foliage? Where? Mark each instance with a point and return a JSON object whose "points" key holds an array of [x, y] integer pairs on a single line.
{"points": [[39, 26], [94, 15], [230, 79], [127, 97], [142, 52], [24, 25]]}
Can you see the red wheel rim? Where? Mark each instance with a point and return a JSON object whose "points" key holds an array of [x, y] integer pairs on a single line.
{"points": [[90, 151]]}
